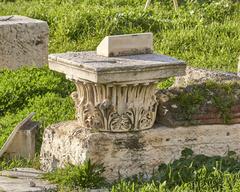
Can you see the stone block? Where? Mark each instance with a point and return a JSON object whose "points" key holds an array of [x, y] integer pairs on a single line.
{"points": [[197, 76], [122, 45], [21, 142], [89, 67], [23, 42], [126, 154]]}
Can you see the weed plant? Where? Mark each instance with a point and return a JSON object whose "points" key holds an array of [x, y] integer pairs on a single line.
{"points": [[87, 175], [197, 97], [195, 173]]}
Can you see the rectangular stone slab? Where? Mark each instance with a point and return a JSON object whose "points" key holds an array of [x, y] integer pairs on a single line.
{"points": [[88, 66], [23, 180], [127, 154], [23, 42], [129, 44], [23, 144]]}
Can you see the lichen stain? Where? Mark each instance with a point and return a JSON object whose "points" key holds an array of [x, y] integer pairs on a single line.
{"points": [[131, 142]]}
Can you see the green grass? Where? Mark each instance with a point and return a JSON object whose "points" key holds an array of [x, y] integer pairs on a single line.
{"points": [[204, 33], [33, 90], [190, 172], [86, 175]]}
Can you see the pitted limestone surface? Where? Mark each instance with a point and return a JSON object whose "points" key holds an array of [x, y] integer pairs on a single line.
{"points": [[127, 154], [23, 42]]}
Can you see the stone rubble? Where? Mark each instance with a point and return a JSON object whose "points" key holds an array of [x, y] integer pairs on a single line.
{"points": [[197, 76], [24, 180], [174, 110]]}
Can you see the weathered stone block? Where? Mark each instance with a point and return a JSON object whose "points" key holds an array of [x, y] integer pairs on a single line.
{"points": [[23, 41], [21, 142], [133, 69], [126, 154], [122, 45]]}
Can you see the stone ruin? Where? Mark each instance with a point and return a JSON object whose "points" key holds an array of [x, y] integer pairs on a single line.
{"points": [[21, 142], [116, 110], [23, 42], [116, 102], [117, 94]]}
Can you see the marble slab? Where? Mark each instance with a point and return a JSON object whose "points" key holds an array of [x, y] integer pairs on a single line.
{"points": [[88, 66]]}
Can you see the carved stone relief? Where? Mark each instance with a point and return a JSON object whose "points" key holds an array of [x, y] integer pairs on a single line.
{"points": [[115, 108]]}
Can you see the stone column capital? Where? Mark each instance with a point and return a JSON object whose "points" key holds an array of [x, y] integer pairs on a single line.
{"points": [[116, 94]]}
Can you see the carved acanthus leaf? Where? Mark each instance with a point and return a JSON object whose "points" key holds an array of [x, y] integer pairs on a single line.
{"points": [[115, 108]]}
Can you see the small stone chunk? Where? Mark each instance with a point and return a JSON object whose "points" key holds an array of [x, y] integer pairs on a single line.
{"points": [[123, 45]]}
